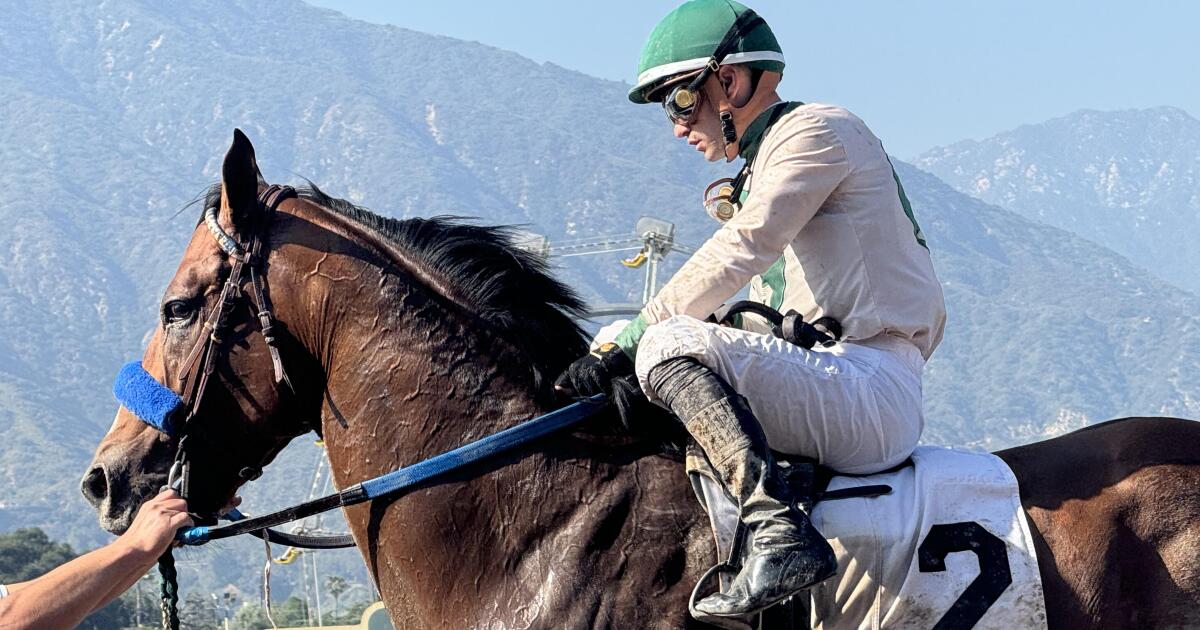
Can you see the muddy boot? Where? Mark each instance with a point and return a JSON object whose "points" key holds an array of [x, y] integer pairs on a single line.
{"points": [[786, 553]]}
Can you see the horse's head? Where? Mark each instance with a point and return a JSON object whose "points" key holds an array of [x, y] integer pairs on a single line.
{"points": [[210, 348]]}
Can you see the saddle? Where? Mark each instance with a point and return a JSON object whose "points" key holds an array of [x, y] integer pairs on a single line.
{"points": [[809, 482]]}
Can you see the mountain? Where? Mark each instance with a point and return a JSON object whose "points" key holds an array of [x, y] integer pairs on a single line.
{"points": [[1047, 331], [113, 116], [116, 115], [1129, 180]]}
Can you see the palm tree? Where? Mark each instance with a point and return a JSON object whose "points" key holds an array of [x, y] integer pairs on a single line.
{"points": [[336, 585]]}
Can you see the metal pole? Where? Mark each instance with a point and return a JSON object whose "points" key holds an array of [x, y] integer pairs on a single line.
{"points": [[646, 283], [307, 593], [653, 289], [317, 583]]}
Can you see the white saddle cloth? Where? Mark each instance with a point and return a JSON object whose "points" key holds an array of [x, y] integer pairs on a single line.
{"points": [[961, 509]]}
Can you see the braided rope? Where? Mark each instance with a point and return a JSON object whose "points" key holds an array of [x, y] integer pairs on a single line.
{"points": [[170, 591]]}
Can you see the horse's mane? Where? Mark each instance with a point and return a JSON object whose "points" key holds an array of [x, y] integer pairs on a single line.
{"points": [[507, 287]]}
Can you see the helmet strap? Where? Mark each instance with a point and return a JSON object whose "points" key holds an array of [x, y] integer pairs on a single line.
{"points": [[715, 94], [735, 120], [728, 130]]}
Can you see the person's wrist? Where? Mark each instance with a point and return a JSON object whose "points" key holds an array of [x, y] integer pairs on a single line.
{"points": [[616, 360], [135, 550]]}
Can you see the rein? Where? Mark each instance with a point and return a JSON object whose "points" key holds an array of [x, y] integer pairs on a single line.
{"points": [[154, 403], [408, 478]]}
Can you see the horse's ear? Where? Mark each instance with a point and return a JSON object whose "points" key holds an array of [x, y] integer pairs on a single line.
{"points": [[239, 179]]}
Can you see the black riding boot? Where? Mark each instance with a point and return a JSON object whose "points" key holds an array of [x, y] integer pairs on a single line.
{"points": [[786, 553]]}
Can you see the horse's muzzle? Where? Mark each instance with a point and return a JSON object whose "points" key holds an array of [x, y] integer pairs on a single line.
{"points": [[114, 515]]}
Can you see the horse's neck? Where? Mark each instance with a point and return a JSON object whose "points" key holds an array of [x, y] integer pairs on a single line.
{"points": [[556, 533], [404, 369], [550, 531]]}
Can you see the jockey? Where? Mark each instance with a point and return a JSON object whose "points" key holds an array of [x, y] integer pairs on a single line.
{"points": [[817, 222]]}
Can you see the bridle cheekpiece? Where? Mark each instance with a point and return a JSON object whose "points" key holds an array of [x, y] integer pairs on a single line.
{"points": [[172, 413]]}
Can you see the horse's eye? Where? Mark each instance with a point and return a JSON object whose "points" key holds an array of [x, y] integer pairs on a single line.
{"points": [[177, 311]]}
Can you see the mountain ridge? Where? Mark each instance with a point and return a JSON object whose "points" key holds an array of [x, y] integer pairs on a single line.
{"points": [[1126, 179]]}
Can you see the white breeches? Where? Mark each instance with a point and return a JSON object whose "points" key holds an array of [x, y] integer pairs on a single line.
{"points": [[855, 407]]}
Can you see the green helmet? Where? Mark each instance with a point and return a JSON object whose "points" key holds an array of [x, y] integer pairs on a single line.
{"points": [[685, 39]]}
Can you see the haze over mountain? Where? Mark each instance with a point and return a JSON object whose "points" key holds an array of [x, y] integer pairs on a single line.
{"points": [[1129, 180], [1047, 331], [114, 115]]}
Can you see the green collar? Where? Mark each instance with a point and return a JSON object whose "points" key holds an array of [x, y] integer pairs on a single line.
{"points": [[752, 138]]}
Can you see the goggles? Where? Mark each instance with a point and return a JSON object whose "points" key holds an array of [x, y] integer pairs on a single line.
{"points": [[718, 199], [723, 198], [682, 102]]}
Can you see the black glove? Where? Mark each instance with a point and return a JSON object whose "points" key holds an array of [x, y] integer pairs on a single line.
{"points": [[594, 373], [632, 404]]}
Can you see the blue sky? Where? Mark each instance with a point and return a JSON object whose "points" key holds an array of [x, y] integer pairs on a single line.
{"points": [[921, 74]]}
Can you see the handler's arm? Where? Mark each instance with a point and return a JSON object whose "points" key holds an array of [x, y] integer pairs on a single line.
{"points": [[64, 596]]}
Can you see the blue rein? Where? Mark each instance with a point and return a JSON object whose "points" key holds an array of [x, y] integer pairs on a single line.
{"points": [[141, 393], [412, 476]]}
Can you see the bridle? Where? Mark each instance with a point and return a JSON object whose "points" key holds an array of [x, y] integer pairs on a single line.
{"points": [[159, 406], [175, 415], [248, 264]]}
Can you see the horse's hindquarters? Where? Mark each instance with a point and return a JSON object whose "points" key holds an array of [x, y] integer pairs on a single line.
{"points": [[1116, 513]]}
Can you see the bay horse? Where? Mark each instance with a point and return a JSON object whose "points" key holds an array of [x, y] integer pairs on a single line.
{"points": [[406, 338]]}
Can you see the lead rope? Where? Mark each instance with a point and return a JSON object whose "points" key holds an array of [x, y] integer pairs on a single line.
{"points": [[170, 591]]}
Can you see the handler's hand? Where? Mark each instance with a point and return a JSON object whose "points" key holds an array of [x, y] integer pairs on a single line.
{"points": [[153, 529], [233, 503]]}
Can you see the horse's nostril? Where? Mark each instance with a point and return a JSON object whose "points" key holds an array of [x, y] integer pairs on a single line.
{"points": [[95, 485]]}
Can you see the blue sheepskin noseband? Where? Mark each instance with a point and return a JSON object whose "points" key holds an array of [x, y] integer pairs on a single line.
{"points": [[148, 399]]}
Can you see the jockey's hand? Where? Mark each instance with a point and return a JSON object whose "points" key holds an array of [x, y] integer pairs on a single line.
{"points": [[631, 403], [594, 373]]}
